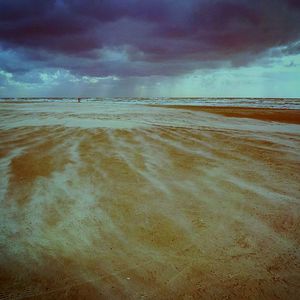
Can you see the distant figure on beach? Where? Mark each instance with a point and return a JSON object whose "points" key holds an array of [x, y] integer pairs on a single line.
{"points": [[78, 100]]}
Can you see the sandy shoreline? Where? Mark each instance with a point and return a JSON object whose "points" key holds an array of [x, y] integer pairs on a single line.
{"points": [[291, 116], [148, 203]]}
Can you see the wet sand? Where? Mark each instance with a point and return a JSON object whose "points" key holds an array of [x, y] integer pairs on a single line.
{"points": [[291, 116], [147, 203]]}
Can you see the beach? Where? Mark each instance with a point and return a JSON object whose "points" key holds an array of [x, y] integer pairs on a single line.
{"points": [[125, 201]]}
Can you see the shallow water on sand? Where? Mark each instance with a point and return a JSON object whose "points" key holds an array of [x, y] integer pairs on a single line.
{"points": [[130, 202]]}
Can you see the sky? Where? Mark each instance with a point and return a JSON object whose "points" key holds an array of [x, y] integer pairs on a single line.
{"points": [[149, 48]]}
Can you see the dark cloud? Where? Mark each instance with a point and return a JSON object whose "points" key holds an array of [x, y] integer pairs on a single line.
{"points": [[18, 10], [294, 3], [140, 38]]}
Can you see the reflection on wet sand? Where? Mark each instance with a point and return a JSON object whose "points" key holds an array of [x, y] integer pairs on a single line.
{"points": [[155, 211]]}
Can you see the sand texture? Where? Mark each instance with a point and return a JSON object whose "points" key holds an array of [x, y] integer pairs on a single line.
{"points": [[135, 202], [264, 114]]}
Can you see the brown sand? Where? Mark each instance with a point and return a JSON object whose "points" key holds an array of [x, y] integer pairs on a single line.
{"points": [[160, 212], [291, 116]]}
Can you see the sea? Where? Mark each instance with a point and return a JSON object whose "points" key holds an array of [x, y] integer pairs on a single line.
{"points": [[278, 103]]}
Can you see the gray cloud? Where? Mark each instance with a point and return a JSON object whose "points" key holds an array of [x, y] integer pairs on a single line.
{"points": [[142, 38]]}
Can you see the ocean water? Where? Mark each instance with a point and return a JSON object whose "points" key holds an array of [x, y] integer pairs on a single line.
{"points": [[284, 103]]}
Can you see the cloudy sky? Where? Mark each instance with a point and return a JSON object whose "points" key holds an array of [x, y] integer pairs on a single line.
{"points": [[149, 48]]}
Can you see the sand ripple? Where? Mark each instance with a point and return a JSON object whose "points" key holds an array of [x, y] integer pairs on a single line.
{"points": [[207, 208]]}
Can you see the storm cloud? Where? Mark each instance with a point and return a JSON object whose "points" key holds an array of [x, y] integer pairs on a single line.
{"points": [[134, 38]]}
